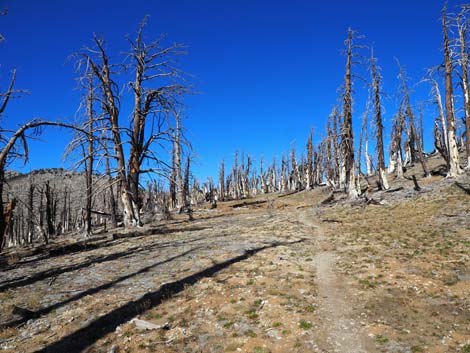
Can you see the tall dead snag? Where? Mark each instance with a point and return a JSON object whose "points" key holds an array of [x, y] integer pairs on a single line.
{"points": [[453, 162], [156, 92], [396, 152], [376, 86], [102, 69], [186, 191], [412, 148], [89, 159], [85, 144], [336, 147], [347, 138], [111, 197], [222, 181], [328, 158], [152, 63], [309, 172], [246, 177], [364, 141], [441, 141], [295, 175], [8, 221], [49, 199], [177, 163], [31, 211], [462, 28], [172, 182]]}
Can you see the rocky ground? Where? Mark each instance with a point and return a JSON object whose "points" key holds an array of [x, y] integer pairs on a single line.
{"points": [[286, 274]]}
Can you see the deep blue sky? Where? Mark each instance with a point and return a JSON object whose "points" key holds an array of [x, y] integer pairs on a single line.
{"points": [[267, 71]]}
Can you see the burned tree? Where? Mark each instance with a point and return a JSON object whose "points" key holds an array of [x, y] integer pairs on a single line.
{"points": [[156, 90], [347, 136], [309, 169], [413, 151], [462, 28], [11, 151], [222, 181], [376, 86], [453, 165]]}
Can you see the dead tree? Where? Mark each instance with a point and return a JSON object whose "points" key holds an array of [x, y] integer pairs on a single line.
{"points": [[153, 64], [396, 153], [49, 199], [11, 151], [453, 162], [440, 140], [89, 159], [177, 163], [111, 198], [172, 181], [222, 181], [31, 213], [347, 137], [8, 221], [328, 158], [156, 90], [186, 190], [413, 146], [309, 171], [440, 127], [462, 28], [295, 174], [336, 146], [376, 86]]}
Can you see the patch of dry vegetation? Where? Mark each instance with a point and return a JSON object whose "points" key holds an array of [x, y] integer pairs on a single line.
{"points": [[411, 264]]}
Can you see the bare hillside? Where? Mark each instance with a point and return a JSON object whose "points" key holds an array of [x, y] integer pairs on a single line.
{"points": [[271, 274]]}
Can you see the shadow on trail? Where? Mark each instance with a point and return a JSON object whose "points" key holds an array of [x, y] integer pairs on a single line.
{"points": [[88, 335], [41, 312]]}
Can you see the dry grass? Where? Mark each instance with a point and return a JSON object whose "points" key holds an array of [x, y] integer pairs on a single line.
{"points": [[411, 264]]}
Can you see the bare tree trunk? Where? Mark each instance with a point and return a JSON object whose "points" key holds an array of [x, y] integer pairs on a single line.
{"points": [[49, 199], [222, 181], [30, 220], [462, 26], [186, 191], [112, 200], [409, 113], [8, 219], [396, 154], [336, 148], [309, 176], [347, 129], [454, 160], [89, 163], [379, 125], [178, 174], [3, 226]]}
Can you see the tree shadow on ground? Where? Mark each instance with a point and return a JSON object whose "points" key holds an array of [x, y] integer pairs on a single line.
{"points": [[44, 311], [88, 335], [39, 276], [56, 250]]}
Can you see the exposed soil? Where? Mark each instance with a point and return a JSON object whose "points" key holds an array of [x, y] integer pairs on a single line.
{"points": [[284, 275]]}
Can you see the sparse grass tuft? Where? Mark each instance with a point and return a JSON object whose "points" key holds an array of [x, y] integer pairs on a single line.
{"points": [[305, 325]]}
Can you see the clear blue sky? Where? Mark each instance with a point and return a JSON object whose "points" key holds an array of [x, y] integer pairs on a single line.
{"points": [[267, 71]]}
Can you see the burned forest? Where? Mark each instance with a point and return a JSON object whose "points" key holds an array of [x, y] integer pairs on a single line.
{"points": [[196, 207]]}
